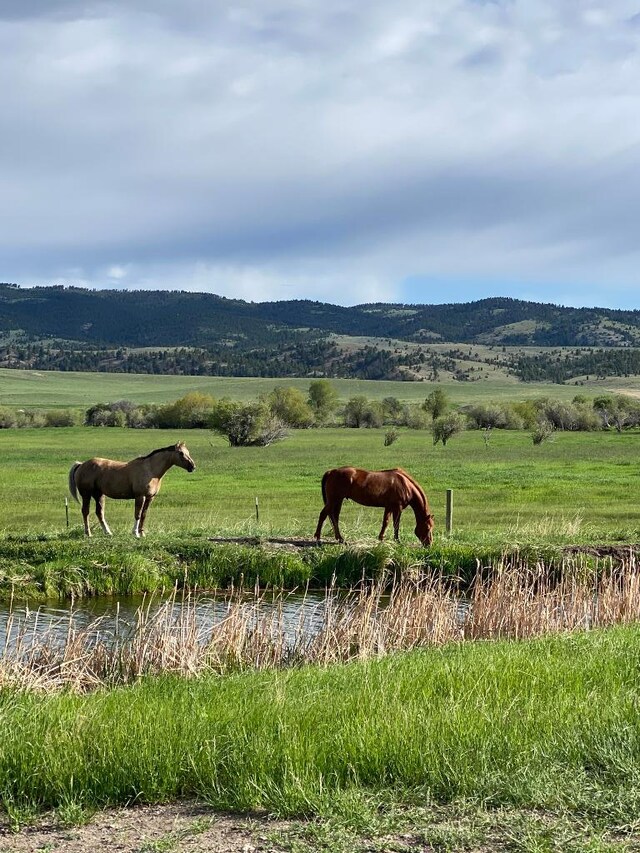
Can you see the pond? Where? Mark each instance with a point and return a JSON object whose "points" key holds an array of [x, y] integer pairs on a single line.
{"points": [[108, 616]]}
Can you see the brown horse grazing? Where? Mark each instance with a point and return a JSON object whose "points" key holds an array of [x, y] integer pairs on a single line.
{"points": [[394, 490], [138, 479]]}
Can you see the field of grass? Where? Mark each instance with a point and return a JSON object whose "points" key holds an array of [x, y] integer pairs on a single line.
{"points": [[548, 725], [51, 389], [578, 487]]}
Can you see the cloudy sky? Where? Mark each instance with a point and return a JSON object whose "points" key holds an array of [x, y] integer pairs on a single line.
{"points": [[348, 151]]}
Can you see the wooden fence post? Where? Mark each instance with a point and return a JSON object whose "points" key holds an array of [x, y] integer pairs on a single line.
{"points": [[449, 514]]}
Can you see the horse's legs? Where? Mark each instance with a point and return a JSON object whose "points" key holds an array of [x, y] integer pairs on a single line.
{"points": [[385, 522], [145, 507], [334, 515], [100, 514], [137, 516], [396, 522], [86, 508], [323, 516]]}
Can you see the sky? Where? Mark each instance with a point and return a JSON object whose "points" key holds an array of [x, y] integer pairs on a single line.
{"points": [[410, 151]]}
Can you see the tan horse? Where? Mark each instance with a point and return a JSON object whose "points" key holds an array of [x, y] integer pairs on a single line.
{"points": [[137, 480], [394, 490]]}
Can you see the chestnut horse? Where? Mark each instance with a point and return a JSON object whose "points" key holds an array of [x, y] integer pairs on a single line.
{"points": [[393, 489], [138, 479]]}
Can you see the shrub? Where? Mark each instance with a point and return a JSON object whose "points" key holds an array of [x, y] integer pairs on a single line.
{"points": [[290, 407], [59, 418], [446, 426], [361, 412], [247, 424], [323, 399]]}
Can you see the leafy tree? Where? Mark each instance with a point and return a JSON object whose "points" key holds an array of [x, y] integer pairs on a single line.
{"points": [[193, 411], [446, 426], [323, 399], [436, 403], [247, 424], [290, 406], [361, 412], [392, 409]]}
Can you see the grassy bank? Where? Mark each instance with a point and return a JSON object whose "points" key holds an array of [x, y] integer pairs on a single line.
{"points": [[546, 724], [64, 568]]}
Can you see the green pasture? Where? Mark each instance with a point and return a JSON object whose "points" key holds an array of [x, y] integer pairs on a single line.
{"points": [[52, 389], [576, 487], [550, 726]]}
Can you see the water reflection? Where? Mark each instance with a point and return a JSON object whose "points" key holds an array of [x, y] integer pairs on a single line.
{"points": [[107, 616]]}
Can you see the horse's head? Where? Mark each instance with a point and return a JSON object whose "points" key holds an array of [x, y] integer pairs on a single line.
{"points": [[424, 530], [184, 459]]}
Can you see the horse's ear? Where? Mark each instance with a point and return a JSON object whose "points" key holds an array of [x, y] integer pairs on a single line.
{"points": [[179, 445]]}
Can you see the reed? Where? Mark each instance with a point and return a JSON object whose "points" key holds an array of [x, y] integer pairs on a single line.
{"points": [[509, 600]]}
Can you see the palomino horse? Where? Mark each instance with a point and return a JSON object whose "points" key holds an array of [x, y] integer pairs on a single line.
{"points": [[393, 489], [138, 479]]}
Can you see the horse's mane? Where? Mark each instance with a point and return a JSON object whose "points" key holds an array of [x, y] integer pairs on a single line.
{"points": [[159, 450], [420, 491]]}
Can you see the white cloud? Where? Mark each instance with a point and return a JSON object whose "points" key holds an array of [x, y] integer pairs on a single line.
{"points": [[279, 149]]}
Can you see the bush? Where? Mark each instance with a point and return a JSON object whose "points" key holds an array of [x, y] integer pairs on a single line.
{"points": [[8, 419], [193, 411], [59, 418], [247, 424], [446, 427], [290, 407], [361, 412], [390, 437]]}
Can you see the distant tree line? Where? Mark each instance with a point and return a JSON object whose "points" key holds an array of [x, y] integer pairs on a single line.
{"points": [[270, 418]]}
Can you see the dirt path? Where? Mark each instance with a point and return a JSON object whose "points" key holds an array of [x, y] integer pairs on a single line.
{"points": [[172, 828]]}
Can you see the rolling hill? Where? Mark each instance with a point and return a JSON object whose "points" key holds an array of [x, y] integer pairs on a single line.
{"points": [[71, 328]]}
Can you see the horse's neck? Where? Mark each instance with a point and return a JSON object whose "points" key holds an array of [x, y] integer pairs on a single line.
{"points": [[418, 504], [160, 463]]}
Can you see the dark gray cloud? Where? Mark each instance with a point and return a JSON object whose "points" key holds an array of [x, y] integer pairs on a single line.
{"points": [[331, 150]]}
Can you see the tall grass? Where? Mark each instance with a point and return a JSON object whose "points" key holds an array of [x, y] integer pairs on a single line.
{"points": [[550, 723], [512, 602]]}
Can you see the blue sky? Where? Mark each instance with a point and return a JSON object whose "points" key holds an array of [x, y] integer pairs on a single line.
{"points": [[432, 151]]}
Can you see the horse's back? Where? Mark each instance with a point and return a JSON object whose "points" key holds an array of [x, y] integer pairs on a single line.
{"points": [[369, 488], [97, 474]]}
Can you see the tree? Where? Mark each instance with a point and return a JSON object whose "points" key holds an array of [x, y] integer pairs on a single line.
{"points": [[323, 399], [247, 424], [436, 403], [360, 412], [290, 406], [193, 411], [446, 426], [392, 409]]}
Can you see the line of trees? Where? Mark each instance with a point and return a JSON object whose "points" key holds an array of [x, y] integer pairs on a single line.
{"points": [[271, 417]]}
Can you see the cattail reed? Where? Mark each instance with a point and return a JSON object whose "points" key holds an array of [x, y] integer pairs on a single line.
{"points": [[508, 600]]}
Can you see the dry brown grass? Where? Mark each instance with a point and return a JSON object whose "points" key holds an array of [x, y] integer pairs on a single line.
{"points": [[507, 601]]}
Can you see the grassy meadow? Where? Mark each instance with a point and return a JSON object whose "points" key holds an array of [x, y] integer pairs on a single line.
{"points": [[51, 389], [549, 725], [577, 487]]}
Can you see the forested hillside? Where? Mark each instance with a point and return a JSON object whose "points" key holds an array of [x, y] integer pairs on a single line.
{"points": [[71, 328]]}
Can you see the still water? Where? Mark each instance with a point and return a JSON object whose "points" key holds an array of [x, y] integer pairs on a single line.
{"points": [[108, 616]]}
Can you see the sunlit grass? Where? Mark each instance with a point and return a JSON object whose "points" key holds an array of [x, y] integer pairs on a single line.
{"points": [[549, 724]]}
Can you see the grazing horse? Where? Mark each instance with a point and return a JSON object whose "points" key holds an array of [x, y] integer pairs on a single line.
{"points": [[138, 479], [393, 489]]}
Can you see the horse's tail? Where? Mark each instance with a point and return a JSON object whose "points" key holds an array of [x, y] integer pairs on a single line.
{"points": [[324, 486], [72, 481]]}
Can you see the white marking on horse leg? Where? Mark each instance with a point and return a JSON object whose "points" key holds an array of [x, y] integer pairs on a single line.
{"points": [[106, 527]]}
